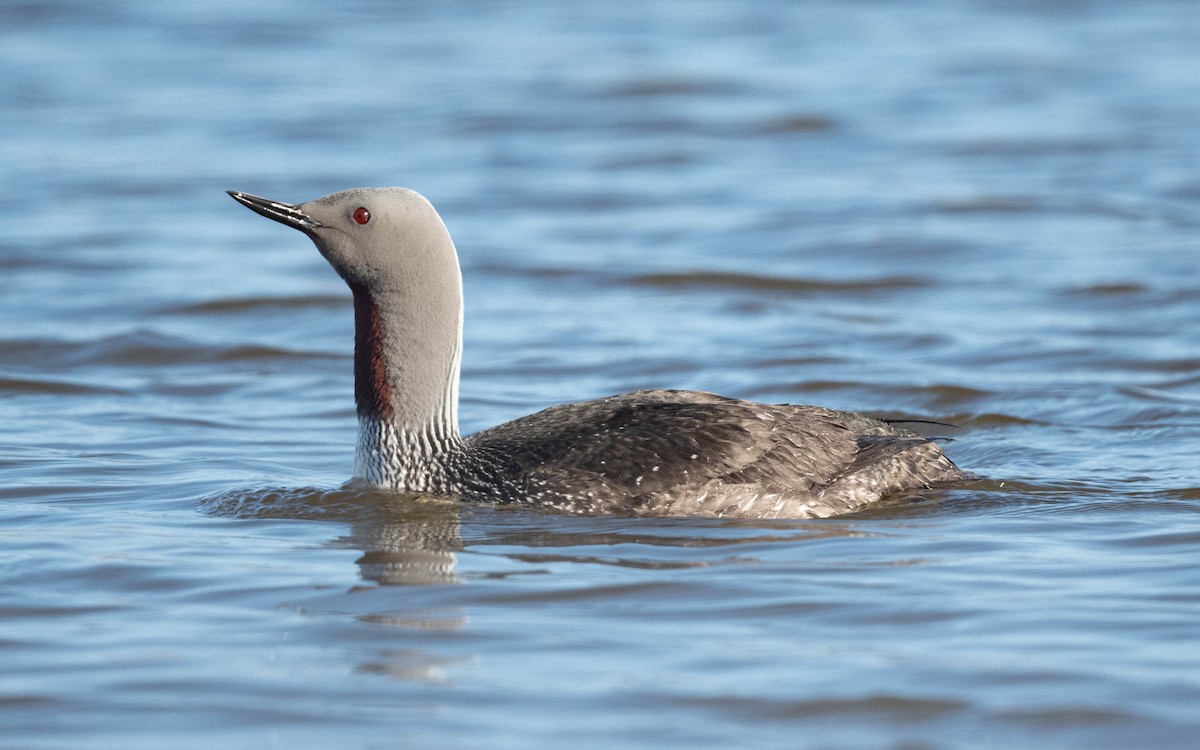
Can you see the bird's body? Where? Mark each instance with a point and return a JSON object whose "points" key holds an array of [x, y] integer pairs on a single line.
{"points": [[654, 453]]}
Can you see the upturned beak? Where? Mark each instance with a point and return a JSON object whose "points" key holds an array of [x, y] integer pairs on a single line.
{"points": [[284, 213]]}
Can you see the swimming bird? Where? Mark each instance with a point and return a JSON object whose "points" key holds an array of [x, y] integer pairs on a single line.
{"points": [[648, 453]]}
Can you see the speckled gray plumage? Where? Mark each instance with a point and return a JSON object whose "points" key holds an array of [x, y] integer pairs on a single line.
{"points": [[649, 453], [672, 453]]}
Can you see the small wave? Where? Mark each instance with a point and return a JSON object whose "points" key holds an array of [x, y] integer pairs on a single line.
{"points": [[657, 88], [991, 419], [140, 348], [319, 504], [54, 387], [1032, 147], [1159, 539], [889, 707], [1161, 394], [941, 396], [672, 157], [744, 281], [1105, 290], [239, 305], [796, 123], [709, 279], [1026, 204], [990, 204]]}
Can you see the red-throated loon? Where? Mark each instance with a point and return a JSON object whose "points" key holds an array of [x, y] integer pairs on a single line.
{"points": [[649, 453]]}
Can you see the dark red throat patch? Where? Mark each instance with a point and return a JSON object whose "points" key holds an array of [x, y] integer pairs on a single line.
{"points": [[372, 391]]}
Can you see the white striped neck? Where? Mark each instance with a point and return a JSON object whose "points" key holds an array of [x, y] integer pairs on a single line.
{"points": [[406, 375], [391, 457]]}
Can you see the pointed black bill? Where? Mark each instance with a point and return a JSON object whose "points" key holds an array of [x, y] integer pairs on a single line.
{"points": [[284, 213]]}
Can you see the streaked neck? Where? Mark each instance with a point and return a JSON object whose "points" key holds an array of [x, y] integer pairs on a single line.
{"points": [[407, 354]]}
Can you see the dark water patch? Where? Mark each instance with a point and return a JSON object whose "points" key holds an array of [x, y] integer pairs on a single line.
{"points": [[1185, 494], [987, 420], [141, 348], [497, 124], [941, 397], [99, 254], [891, 708], [25, 386], [1130, 296], [1067, 716], [1105, 291], [704, 280], [210, 387], [255, 305], [1032, 147], [672, 87], [1029, 204], [26, 13], [14, 258], [744, 282], [673, 157], [23, 702], [550, 366], [798, 362], [36, 611], [654, 124], [670, 122], [252, 353], [796, 123], [990, 204]]}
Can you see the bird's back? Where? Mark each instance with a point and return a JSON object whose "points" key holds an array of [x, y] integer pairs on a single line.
{"points": [[676, 453]]}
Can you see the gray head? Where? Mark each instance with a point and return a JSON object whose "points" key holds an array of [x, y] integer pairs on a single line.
{"points": [[392, 249], [370, 236]]}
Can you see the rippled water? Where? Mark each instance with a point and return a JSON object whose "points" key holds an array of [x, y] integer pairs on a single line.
{"points": [[981, 213]]}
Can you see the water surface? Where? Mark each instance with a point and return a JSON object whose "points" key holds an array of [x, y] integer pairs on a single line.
{"points": [[979, 213]]}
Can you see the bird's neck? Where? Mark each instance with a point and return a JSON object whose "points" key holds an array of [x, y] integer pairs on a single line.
{"points": [[407, 352]]}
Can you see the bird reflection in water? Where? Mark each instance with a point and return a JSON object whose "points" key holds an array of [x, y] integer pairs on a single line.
{"points": [[417, 549], [406, 539]]}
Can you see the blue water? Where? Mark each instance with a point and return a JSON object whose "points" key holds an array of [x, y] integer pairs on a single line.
{"points": [[980, 213]]}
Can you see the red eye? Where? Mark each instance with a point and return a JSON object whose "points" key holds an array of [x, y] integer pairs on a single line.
{"points": [[362, 215]]}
